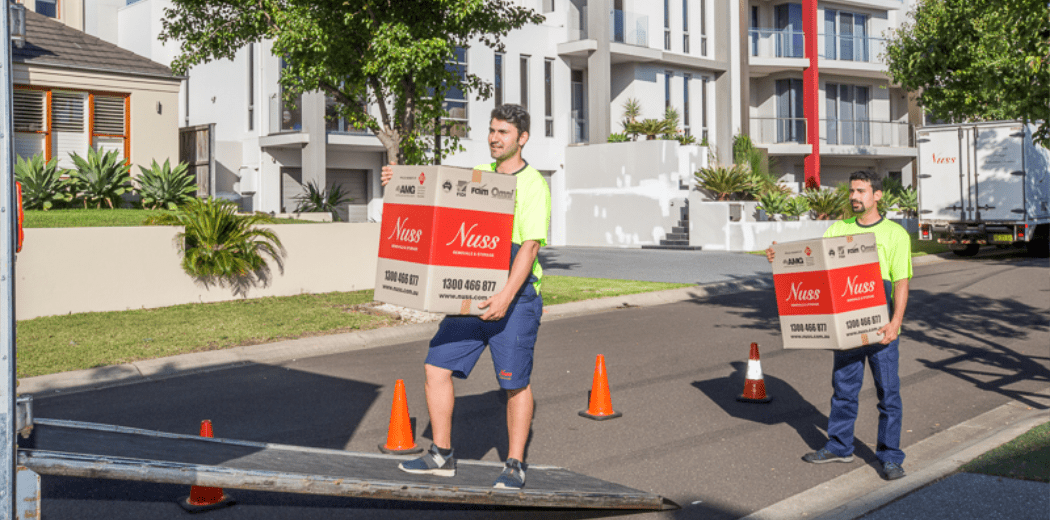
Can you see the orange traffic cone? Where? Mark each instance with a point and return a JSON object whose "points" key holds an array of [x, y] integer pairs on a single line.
{"points": [[754, 385], [600, 407], [399, 439], [205, 498]]}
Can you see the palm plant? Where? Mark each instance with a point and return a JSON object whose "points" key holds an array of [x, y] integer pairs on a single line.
{"points": [[908, 202], [632, 110], [100, 178], [619, 138], [828, 204], [774, 203], [317, 199], [650, 128], [724, 181], [218, 245], [42, 183], [161, 186], [797, 206]]}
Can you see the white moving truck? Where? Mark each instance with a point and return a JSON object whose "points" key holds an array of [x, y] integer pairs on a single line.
{"points": [[983, 183]]}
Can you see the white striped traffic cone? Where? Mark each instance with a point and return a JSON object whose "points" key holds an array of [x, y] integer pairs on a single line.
{"points": [[754, 385]]}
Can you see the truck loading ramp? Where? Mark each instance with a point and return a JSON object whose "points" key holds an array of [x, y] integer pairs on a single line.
{"points": [[91, 450]]}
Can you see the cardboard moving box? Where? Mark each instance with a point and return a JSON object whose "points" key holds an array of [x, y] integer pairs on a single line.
{"points": [[830, 293], [444, 243]]}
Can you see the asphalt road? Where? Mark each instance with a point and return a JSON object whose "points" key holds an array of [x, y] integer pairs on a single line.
{"points": [[976, 337]]}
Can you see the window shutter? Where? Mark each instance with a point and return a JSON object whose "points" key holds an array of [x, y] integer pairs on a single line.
{"points": [[109, 115], [68, 131], [29, 111]]}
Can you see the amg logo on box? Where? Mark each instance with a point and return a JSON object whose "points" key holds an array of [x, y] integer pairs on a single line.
{"points": [[835, 301], [447, 248]]}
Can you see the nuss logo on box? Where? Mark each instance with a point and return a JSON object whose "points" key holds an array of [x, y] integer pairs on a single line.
{"points": [[467, 238], [402, 233]]}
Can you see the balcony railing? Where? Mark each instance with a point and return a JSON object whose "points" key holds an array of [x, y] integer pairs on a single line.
{"points": [[851, 132], [630, 28], [778, 130], [846, 132], [851, 48], [777, 43], [578, 25]]}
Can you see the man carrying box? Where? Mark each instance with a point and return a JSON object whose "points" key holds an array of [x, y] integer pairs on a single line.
{"points": [[894, 248], [510, 322]]}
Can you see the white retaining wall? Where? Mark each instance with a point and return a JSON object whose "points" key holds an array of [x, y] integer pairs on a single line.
{"points": [[71, 270]]}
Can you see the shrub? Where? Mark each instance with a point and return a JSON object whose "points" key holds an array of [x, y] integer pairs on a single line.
{"points": [[42, 184], [908, 202], [828, 204], [797, 206], [619, 138], [316, 199], [100, 178], [774, 203], [724, 182], [650, 128], [163, 187], [218, 245]]}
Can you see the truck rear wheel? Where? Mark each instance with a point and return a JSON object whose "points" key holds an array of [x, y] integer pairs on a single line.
{"points": [[1039, 248], [965, 249]]}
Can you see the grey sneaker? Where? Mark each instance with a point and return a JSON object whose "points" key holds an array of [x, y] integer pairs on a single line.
{"points": [[892, 470], [822, 456], [431, 463], [513, 476]]}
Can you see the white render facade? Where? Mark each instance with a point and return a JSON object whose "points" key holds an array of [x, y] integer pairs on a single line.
{"points": [[581, 69]]}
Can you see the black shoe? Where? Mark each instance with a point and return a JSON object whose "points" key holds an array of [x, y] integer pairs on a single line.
{"points": [[823, 455], [513, 476], [892, 471]]}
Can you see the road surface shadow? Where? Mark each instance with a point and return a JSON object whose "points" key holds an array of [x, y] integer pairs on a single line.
{"points": [[479, 425], [787, 407]]}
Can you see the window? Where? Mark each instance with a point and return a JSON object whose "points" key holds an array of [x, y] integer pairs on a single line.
{"points": [[455, 98], [845, 36], [667, 88], [685, 103], [790, 39], [548, 97], [497, 81], [548, 6], [579, 107], [290, 114], [667, 25], [524, 81], [685, 26], [48, 8], [755, 30], [57, 123], [847, 113], [703, 27], [791, 123], [703, 108], [336, 122], [251, 86]]}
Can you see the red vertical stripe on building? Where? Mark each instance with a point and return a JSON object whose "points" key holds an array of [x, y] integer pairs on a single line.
{"points": [[811, 92]]}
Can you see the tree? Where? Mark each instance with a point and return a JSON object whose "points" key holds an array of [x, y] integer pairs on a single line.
{"points": [[977, 60], [393, 54]]}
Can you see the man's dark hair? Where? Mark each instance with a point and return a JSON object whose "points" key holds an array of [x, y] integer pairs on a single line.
{"points": [[513, 114], [869, 176]]}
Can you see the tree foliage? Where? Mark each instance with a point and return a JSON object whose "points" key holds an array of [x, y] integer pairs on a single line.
{"points": [[392, 54], [977, 60]]}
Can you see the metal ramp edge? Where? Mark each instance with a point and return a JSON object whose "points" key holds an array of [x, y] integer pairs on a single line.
{"points": [[91, 450]]}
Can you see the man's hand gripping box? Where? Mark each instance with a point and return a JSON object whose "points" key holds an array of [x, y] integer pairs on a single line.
{"points": [[830, 293], [444, 243]]}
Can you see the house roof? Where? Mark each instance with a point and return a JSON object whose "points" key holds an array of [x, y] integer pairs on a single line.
{"points": [[53, 44]]}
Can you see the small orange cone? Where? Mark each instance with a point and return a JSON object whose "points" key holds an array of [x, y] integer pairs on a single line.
{"points": [[600, 407], [205, 498], [399, 439], [754, 384]]}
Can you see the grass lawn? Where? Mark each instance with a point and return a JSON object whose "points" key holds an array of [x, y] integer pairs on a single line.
{"points": [[71, 342], [1026, 457], [61, 218]]}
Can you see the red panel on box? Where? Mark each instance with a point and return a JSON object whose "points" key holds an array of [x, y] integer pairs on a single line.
{"points": [[477, 239], [803, 293], [856, 287], [406, 232]]}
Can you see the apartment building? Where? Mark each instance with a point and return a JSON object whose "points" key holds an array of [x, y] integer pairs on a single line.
{"points": [[725, 67]]}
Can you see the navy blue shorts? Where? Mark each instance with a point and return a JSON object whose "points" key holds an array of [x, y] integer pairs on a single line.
{"points": [[460, 340]]}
